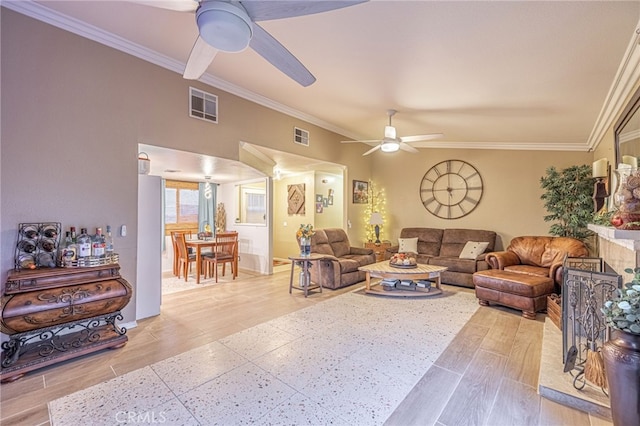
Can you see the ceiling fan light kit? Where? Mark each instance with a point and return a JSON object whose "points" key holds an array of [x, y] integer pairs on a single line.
{"points": [[389, 146], [225, 26]]}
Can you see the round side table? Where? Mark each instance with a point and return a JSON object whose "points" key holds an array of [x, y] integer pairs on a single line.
{"points": [[305, 262]]}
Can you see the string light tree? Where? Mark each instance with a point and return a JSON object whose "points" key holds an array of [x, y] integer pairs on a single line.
{"points": [[375, 215]]}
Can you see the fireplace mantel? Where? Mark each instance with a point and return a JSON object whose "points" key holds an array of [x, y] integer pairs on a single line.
{"points": [[618, 248], [627, 239]]}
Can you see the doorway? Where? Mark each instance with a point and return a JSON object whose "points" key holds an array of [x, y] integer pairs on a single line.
{"points": [[256, 252]]}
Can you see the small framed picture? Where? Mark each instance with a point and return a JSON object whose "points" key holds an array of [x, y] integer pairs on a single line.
{"points": [[330, 200], [325, 202], [318, 198], [360, 192], [319, 207], [330, 192]]}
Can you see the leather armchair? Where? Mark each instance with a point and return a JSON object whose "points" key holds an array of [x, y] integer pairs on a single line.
{"points": [[542, 256]]}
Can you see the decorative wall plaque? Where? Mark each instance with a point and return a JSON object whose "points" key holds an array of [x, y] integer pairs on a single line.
{"points": [[295, 199]]}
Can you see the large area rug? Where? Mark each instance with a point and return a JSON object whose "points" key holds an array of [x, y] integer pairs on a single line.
{"points": [[349, 360]]}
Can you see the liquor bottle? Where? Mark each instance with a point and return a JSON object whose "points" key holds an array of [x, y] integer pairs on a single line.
{"points": [[108, 249], [98, 244], [68, 251], [84, 244], [74, 237]]}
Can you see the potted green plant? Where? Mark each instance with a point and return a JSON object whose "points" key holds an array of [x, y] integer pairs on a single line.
{"points": [[568, 199], [621, 352]]}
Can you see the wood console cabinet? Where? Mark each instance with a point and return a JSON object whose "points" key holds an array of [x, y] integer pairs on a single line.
{"points": [[52, 315], [378, 249]]}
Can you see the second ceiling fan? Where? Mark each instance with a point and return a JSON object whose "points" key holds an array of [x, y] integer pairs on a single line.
{"points": [[391, 142]]}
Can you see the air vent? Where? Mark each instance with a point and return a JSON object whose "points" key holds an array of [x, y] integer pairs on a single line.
{"points": [[301, 136], [203, 105]]}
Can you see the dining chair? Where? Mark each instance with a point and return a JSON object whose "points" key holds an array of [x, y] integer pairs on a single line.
{"points": [[176, 255], [184, 259], [225, 251]]}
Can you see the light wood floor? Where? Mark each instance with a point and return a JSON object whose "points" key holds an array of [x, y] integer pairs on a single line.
{"points": [[487, 376]]}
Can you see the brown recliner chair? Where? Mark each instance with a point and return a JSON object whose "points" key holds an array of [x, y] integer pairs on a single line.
{"points": [[541, 256], [525, 273], [340, 266]]}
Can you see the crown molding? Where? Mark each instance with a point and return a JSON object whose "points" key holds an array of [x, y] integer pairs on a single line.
{"points": [[75, 26], [504, 146], [626, 78]]}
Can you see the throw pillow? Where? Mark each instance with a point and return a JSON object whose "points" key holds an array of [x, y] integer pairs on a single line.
{"points": [[473, 249], [408, 245]]}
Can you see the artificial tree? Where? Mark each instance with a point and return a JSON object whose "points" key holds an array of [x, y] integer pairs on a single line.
{"points": [[377, 203], [568, 199]]}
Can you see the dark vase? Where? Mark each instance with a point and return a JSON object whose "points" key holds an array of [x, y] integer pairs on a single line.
{"points": [[622, 366]]}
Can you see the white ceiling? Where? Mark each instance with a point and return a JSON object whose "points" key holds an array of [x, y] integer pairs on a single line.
{"points": [[512, 75]]}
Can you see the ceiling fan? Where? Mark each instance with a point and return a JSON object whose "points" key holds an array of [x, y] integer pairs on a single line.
{"points": [[391, 143], [230, 26]]}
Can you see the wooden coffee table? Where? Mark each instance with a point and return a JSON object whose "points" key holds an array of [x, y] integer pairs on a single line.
{"points": [[420, 272]]}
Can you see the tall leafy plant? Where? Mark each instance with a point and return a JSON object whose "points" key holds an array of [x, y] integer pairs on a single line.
{"points": [[568, 199]]}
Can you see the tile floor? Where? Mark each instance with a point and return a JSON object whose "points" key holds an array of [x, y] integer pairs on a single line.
{"points": [[348, 360]]}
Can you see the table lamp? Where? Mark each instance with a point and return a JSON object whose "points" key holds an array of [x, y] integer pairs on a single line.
{"points": [[376, 219]]}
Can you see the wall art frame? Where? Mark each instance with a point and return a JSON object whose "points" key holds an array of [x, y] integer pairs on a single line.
{"points": [[360, 192]]}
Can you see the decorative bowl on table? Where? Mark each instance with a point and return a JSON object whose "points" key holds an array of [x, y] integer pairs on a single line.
{"points": [[403, 260]]}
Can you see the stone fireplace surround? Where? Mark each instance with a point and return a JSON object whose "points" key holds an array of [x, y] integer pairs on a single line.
{"points": [[619, 249]]}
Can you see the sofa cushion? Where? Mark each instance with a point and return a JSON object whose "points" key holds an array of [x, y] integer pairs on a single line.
{"points": [[320, 243], [408, 245], [339, 241], [454, 240], [473, 249], [348, 265], [455, 264], [429, 239], [528, 270]]}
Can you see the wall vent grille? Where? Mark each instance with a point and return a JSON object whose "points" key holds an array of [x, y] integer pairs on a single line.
{"points": [[203, 105], [300, 136]]}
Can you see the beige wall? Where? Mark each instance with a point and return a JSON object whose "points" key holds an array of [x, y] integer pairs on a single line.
{"points": [[332, 216], [510, 203], [284, 224]]}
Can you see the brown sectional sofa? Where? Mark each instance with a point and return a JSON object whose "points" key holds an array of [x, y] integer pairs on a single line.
{"points": [[442, 247], [340, 269]]}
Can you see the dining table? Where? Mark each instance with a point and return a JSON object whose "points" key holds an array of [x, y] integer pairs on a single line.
{"points": [[198, 245]]}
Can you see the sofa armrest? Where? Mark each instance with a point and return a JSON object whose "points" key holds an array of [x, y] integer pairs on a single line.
{"points": [[482, 257], [327, 273], [330, 257], [390, 251], [500, 259], [556, 272], [360, 250]]}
